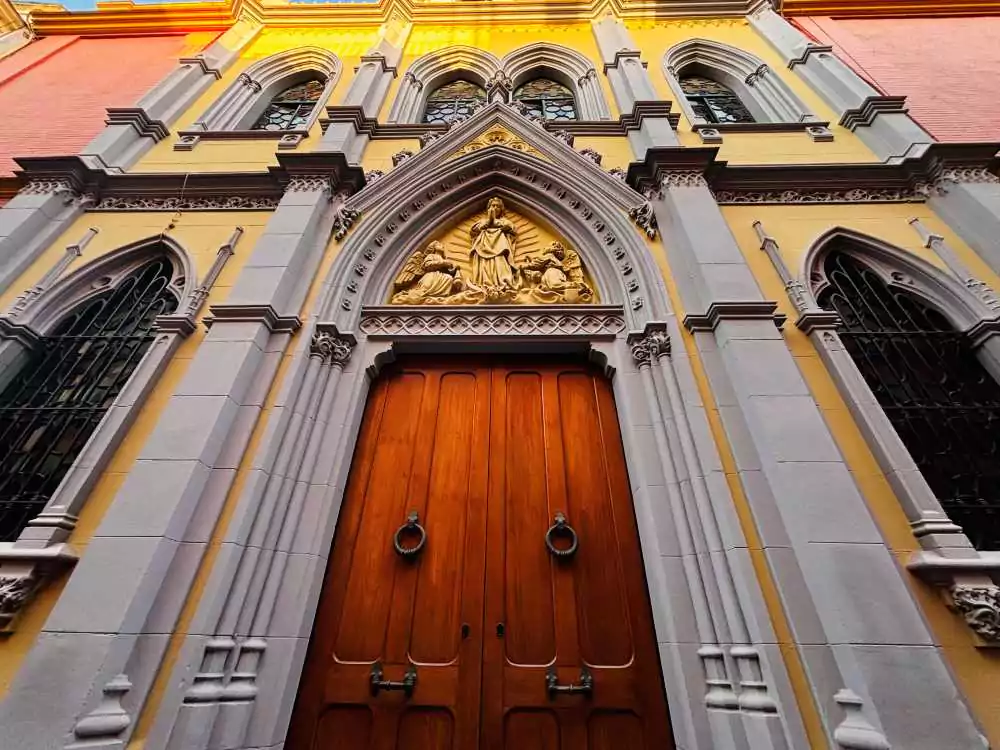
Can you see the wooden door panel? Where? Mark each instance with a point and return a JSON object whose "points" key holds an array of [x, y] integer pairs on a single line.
{"points": [[531, 730], [560, 451], [529, 624], [605, 635], [423, 429]]}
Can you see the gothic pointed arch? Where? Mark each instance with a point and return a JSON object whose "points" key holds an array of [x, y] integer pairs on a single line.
{"points": [[539, 176], [95, 330], [436, 69], [564, 66], [756, 87], [243, 103], [905, 326]]}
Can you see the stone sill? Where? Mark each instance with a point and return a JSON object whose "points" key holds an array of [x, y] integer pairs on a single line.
{"points": [[712, 132], [287, 139], [933, 568]]}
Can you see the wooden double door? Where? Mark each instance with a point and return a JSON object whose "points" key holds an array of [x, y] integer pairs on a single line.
{"points": [[489, 636]]}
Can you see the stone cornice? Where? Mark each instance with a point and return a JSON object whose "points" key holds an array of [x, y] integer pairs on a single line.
{"points": [[199, 190], [913, 179], [371, 127], [123, 18]]}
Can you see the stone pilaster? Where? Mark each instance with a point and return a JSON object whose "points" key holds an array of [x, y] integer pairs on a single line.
{"points": [[120, 602], [880, 121], [969, 201], [854, 619], [630, 83]]}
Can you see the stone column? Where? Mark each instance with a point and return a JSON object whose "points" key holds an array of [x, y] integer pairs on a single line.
{"points": [[132, 131], [880, 121], [630, 83], [124, 598], [854, 620]]}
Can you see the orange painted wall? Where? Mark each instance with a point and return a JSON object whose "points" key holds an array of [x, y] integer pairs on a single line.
{"points": [[946, 67], [54, 92]]}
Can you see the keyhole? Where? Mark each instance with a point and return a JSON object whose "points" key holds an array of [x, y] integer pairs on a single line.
{"points": [[465, 630], [499, 630]]}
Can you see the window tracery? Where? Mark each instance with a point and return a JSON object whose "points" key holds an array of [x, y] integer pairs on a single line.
{"points": [[54, 403], [453, 101], [292, 108], [547, 99], [713, 101], [938, 396]]}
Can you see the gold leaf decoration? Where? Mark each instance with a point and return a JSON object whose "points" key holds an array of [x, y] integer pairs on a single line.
{"points": [[498, 136]]}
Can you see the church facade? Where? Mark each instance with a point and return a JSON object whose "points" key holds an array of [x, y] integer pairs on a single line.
{"points": [[489, 375]]}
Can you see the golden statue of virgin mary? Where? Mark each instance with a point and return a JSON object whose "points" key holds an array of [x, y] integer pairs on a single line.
{"points": [[492, 249]]}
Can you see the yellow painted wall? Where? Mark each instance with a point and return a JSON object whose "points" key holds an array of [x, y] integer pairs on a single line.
{"points": [[795, 228], [201, 233]]}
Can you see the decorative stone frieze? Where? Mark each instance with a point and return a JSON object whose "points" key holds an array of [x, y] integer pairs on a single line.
{"points": [[590, 322], [677, 178], [968, 174], [208, 203], [979, 604], [306, 183], [819, 196]]}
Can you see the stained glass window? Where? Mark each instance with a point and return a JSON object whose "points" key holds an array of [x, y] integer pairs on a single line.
{"points": [[547, 99], [453, 101], [713, 101], [291, 109]]}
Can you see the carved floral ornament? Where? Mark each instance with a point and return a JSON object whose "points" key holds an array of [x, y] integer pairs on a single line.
{"points": [[979, 604], [489, 267], [498, 136]]}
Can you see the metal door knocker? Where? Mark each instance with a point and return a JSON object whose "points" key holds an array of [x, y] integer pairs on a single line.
{"points": [[406, 685], [410, 525], [561, 528], [584, 687]]}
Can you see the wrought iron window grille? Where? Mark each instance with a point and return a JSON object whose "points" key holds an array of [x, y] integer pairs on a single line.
{"points": [[941, 400], [713, 101], [292, 108], [453, 101], [547, 99], [54, 403]]}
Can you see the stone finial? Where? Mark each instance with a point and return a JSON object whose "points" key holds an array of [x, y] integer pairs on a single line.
{"points": [[855, 732], [109, 719]]}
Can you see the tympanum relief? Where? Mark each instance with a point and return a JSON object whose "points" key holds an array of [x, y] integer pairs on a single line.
{"points": [[495, 258]]}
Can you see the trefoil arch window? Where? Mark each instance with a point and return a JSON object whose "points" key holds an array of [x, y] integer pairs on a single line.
{"points": [[51, 407], [292, 108], [713, 101], [547, 99], [453, 101], [938, 396]]}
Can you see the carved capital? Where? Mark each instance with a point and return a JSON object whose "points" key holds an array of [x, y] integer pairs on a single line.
{"points": [[979, 604], [331, 347], [652, 343]]}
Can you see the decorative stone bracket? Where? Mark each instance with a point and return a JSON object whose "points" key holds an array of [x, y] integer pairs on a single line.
{"points": [[23, 571], [969, 586]]}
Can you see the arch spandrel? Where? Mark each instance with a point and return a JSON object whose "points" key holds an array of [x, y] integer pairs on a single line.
{"points": [[494, 255]]}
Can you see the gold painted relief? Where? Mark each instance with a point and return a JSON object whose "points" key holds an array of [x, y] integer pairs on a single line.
{"points": [[498, 136], [496, 258]]}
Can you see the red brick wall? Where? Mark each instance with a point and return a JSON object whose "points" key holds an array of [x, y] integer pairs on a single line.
{"points": [[948, 68], [53, 92]]}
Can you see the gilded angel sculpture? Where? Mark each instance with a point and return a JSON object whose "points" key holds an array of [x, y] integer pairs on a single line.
{"points": [[430, 278], [492, 249], [555, 276]]}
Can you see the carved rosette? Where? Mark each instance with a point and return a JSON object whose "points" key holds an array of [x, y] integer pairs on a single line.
{"points": [[330, 348], [979, 604]]}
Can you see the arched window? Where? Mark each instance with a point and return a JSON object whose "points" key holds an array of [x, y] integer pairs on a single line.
{"points": [[547, 99], [713, 101], [453, 101], [940, 399], [51, 407], [291, 109]]}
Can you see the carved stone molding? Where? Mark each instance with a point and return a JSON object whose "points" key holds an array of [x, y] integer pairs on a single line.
{"points": [[307, 183], [734, 310], [979, 604], [594, 321], [870, 109], [264, 314], [331, 346], [143, 124], [734, 197], [810, 49], [969, 174], [677, 178], [213, 203]]}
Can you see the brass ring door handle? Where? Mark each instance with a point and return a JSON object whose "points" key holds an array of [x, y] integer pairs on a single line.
{"points": [[561, 528], [584, 687], [411, 525]]}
